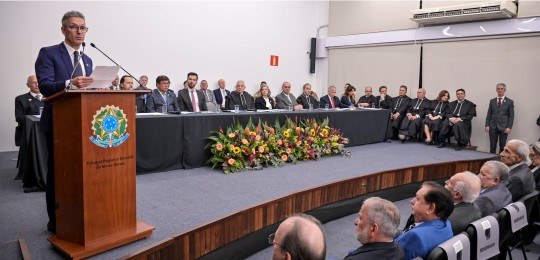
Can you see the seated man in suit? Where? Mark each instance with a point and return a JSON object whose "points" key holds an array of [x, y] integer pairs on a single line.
{"points": [[211, 104], [416, 112], [516, 156], [494, 195], [240, 97], [367, 100], [140, 100], [126, 82], [383, 100], [27, 104], [299, 237], [115, 84], [376, 227], [162, 97], [286, 99], [465, 188], [431, 208], [331, 100], [306, 99], [221, 93], [458, 120], [191, 99], [399, 107]]}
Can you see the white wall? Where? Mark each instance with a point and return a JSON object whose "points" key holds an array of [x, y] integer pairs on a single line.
{"points": [[222, 39]]}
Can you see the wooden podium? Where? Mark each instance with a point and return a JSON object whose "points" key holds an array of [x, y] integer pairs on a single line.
{"points": [[94, 164]]}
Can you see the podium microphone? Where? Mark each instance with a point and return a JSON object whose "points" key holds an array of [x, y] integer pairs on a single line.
{"points": [[94, 46], [78, 63]]}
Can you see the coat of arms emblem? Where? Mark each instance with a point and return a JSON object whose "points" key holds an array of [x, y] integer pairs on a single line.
{"points": [[110, 127]]}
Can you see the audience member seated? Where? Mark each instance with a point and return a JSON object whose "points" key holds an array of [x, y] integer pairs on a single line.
{"points": [[298, 237], [348, 97], [412, 123], [534, 155], [191, 99], [286, 99], [115, 84], [435, 116], [126, 82], [140, 100], [399, 108], [431, 208], [367, 100], [264, 101], [27, 104], [376, 227], [331, 100], [494, 195], [383, 100], [221, 93], [162, 97], [465, 188], [307, 98], [516, 156], [211, 104], [458, 121], [239, 97]]}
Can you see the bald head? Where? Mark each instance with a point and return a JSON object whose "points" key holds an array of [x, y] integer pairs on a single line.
{"points": [[464, 186], [300, 236], [32, 84]]}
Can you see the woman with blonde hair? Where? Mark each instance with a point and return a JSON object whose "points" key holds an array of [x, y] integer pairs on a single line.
{"points": [[264, 101]]}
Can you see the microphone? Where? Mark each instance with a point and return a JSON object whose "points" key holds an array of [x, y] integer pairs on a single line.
{"points": [[94, 46], [75, 67]]}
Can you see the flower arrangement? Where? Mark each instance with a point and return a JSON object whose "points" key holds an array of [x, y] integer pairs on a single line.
{"points": [[253, 146]]}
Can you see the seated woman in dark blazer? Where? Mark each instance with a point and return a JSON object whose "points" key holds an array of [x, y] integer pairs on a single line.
{"points": [[264, 101], [437, 112], [348, 97]]}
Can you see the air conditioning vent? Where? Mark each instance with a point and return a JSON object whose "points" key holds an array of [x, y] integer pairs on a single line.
{"points": [[466, 12]]}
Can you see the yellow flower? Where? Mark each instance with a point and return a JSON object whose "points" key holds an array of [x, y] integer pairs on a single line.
{"points": [[231, 161], [287, 133], [245, 141], [261, 149], [288, 150], [231, 147], [231, 135], [312, 132], [284, 157], [219, 146], [237, 150]]}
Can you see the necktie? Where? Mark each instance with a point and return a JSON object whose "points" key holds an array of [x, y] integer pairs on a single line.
{"points": [[307, 98], [165, 99], [77, 68], [397, 104], [243, 100], [332, 102], [38, 97], [499, 103], [289, 98], [193, 103], [223, 95]]}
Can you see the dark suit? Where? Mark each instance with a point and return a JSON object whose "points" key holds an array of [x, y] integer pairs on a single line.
{"points": [[184, 100], [498, 119], [305, 100], [536, 175], [520, 182], [25, 104], [219, 97], [234, 98], [346, 101], [420, 240], [399, 105], [493, 199], [385, 103], [140, 100], [282, 102], [465, 111], [377, 250], [260, 103], [53, 68], [437, 109], [326, 100], [464, 213], [418, 108], [155, 101], [370, 100]]}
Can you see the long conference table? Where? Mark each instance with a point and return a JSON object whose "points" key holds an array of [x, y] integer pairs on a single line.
{"points": [[171, 142]]}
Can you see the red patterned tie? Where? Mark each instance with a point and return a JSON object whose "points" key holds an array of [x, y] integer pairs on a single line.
{"points": [[499, 103], [332, 101]]}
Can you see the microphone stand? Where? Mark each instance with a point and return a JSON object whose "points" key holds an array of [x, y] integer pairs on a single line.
{"points": [[94, 46]]}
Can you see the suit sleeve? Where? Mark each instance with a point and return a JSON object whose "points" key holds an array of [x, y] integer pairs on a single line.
{"points": [[471, 112], [181, 105], [515, 186], [403, 109], [45, 73], [175, 102], [19, 111], [322, 103], [150, 103], [411, 244], [279, 102], [485, 205], [488, 116], [203, 100], [511, 114]]}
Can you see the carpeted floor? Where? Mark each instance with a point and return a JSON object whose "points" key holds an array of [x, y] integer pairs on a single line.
{"points": [[177, 201]]}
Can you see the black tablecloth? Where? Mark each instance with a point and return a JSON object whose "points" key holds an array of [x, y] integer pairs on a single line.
{"points": [[170, 142]]}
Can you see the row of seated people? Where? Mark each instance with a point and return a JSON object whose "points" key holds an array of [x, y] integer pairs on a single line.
{"points": [[438, 213]]}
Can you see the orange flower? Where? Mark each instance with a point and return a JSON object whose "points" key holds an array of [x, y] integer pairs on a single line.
{"points": [[284, 157], [245, 141], [279, 142], [252, 150], [257, 138], [231, 135], [261, 149], [231, 161], [298, 143], [219, 146], [288, 150], [298, 130], [272, 131], [246, 130]]}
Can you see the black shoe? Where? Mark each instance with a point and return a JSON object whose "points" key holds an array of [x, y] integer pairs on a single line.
{"points": [[51, 227], [441, 145], [460, 147]]}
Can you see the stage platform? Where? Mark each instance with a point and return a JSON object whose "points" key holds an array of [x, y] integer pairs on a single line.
{"points": [[179, 201]]}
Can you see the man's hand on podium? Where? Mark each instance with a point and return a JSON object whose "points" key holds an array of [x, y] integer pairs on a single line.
{"points": [[82, 82]]}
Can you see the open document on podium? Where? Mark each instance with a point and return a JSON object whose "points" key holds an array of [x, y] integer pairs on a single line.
{"points": [[103, 76]]}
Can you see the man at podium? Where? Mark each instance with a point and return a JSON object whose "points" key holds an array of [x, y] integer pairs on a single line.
{"points": [[61, 67]]}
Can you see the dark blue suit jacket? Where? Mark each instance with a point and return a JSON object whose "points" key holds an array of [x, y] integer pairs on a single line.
{"points": [[326, 100], [420, 240], [53, 68], [219, 98]]}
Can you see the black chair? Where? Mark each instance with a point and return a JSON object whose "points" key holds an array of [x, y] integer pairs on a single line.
{"points": [[471, 233], [526, 235], [437, 254]]}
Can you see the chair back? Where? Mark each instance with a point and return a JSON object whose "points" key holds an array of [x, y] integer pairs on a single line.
{"points": [[455, 248], [518, 215], [484, 237]]}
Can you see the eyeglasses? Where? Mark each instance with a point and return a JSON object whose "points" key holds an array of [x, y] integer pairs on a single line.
{"points": [[272, 241], [75, 28], [532, 155]]}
